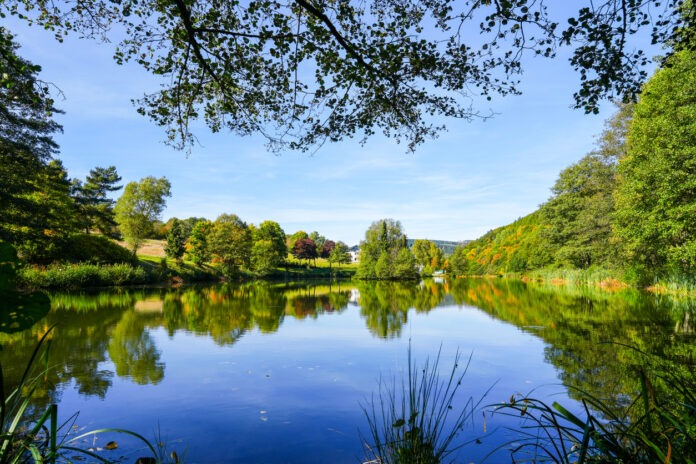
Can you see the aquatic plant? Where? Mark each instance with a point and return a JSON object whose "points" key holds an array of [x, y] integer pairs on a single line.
{"points": [[418, 420], [654, 427]]}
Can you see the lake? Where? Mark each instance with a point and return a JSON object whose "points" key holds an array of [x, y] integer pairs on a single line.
{"points": [[281, 372]]}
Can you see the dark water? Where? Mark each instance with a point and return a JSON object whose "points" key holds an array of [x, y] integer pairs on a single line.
{"points": [[279, 373]]}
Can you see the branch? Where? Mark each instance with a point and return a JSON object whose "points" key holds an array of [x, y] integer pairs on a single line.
{"points": [[209, 30], [347, 46]]}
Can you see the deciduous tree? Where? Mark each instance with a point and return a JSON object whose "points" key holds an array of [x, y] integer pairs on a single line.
{"points": [[339, 254], [230, 243], [140, 205], [427, 255], [656, 196], [305, 72], [305, 248], [326, 249], [269, 250], [291, 240], [197, 249], [380, 252]]}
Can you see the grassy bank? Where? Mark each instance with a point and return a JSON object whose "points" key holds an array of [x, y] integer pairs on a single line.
{"points": [[152, 268]]}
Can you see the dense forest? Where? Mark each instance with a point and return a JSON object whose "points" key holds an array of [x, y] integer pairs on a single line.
{"points": [[628, 206]]}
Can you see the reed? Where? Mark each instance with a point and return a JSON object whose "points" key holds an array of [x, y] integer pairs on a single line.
{"points": [[653, 428], [418, 420]]}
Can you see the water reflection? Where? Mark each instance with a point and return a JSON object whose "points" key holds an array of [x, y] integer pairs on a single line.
{"points": [[598, 340], [586, 331]]}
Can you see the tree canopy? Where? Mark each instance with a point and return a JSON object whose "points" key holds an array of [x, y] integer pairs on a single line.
{"points": [[26, 142], [91, 198], [303, 72], [384, 254], [656, 195], [141, 203]]}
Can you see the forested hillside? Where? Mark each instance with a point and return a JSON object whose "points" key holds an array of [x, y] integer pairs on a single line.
{"points": [[517, 247], [627, 206]]}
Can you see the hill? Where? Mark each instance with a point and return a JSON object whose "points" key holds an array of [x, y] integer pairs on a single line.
{"points": [[516, 247], [447, 246]]}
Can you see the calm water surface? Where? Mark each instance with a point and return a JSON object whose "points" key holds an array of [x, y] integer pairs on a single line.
{"points": [[278, 373]]}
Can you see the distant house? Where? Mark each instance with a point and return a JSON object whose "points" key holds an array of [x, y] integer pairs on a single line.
{"points": [[354, 253]]}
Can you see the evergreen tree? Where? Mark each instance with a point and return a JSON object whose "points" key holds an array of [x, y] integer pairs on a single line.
{"points": [[96, 208], [26, 148], [54, 218]]}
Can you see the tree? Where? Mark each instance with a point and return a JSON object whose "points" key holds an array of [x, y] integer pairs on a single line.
{"points": [[139, 206], [54, 217], [318, 240], [458, 263], [339, 254], [176, 241], [230, 244], [326, 249], [427, 255], [305, 248], [380, 252], [291, 240], [302, 73], [91, 197], [197, 249], [656, 194], [580, 211], [26, 144], [269, 250]]}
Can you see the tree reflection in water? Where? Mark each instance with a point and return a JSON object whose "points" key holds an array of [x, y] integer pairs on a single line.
{"points": [[586, 331]]}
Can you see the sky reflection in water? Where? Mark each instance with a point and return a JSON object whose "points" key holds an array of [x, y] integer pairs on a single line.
{"points": [[278, 374]]}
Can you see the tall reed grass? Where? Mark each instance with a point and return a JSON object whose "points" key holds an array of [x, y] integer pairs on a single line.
{"points": [[657, 426], [418, 420]]}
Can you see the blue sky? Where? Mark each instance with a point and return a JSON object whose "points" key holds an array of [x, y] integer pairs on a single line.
{"points": [[476, 176]]}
